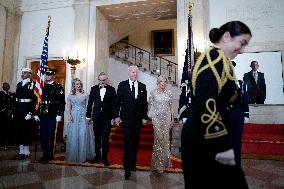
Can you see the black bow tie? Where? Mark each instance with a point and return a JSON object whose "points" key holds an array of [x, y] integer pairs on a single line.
{"points": [[101, 87]]}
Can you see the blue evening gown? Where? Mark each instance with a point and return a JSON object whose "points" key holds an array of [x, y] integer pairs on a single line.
{"points": [[80, 135]]}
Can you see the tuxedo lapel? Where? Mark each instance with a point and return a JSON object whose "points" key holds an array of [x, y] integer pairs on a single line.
{"points": [[128, 89]]}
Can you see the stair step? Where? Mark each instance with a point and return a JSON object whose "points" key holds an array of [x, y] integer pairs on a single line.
{"points": [[142, 145], [143, 137], [143, 131]]}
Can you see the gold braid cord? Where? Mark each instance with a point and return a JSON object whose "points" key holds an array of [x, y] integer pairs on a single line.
{"points": [[227, 72], [215, 126], [213, 120]]}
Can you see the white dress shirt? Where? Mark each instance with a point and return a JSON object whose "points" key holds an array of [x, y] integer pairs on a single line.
{"points": [[135, 86], [102, 92]]}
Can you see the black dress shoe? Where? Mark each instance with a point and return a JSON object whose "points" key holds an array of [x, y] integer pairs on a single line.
{"points": [[26, 156], [127, 175], [43, 159], [19, 157], [106, 163], [96, 159]]}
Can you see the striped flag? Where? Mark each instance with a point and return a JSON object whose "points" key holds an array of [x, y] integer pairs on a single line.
{"points": [[185, 99], [42, 68]]}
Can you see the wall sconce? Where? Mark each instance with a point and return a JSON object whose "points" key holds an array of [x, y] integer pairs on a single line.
{"points": [[72, 58]]}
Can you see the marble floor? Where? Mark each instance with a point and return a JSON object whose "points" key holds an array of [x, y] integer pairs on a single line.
{"points": [[260, 174]]}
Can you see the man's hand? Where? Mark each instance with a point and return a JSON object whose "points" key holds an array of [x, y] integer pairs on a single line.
{"points": [[88, 120], [58, 118], [144, 121], [117, 121], [246, 120], [234, 97], [28, 117], [36, 118], [226, 158]]}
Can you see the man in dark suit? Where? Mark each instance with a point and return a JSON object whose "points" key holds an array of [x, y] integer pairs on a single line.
{"points": [[51, 111], [131, 113], [102, 102], [255, 84]]}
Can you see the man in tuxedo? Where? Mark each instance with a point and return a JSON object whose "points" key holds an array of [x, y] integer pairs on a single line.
{"points": [[102, 102], [255, 84], [131, 114]]}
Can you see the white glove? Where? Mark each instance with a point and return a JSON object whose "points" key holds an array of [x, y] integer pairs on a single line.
{"points": [[226, 158], [36, 118], [58, 118], [246, 119], [184, 120], [28, 117]]}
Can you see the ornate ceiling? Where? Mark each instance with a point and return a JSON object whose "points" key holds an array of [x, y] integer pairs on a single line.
{"points": [[149, 9]]}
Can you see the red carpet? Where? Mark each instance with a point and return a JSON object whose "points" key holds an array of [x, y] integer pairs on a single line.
{"points": [[116, 152], [145, 149], [263, 141]]}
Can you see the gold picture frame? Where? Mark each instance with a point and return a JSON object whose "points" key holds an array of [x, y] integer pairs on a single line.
{"points": [[163, 42]]}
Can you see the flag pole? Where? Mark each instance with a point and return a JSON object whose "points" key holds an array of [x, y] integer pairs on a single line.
{"points": [[185, 100], [40, 84]]}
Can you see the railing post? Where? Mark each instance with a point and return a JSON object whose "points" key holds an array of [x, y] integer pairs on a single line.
{"points": [[160, 66], [135, 56], [176, 74], [149, 62]]}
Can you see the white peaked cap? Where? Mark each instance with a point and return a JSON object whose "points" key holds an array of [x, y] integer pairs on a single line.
{"points": [[27, 70]]}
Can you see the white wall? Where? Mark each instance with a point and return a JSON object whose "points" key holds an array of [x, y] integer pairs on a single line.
{"points": [[142, 36], [265, 18], [33, 29], [270, 114]]}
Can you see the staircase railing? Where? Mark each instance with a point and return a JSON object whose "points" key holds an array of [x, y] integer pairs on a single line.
{"points": [[144, 59]]}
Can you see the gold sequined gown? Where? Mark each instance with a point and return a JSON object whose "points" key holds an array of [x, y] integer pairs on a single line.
{"points": [[161, 118]]}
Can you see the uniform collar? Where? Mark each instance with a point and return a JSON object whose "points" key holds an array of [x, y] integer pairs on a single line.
{"points": [[26, 80]]}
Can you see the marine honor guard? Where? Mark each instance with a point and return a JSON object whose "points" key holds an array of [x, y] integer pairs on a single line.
{"points": [[25, 107], [51, 112]]}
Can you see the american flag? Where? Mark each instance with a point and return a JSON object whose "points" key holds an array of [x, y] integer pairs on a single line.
{"points": [[185, 98], [42, 68]]}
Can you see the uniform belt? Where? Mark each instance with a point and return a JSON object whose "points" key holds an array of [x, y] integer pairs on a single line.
{"points": [[50, 102], [23, 100]]}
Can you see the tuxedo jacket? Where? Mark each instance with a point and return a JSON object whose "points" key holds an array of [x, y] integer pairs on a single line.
{"points": [[129, 109], [256, 92], [97, 108]]}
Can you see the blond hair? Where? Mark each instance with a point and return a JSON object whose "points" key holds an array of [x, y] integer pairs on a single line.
{"points": [[161, 78], [73, 90]]}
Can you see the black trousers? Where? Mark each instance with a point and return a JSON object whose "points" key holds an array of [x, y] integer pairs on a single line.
{"points": [[24, 131], [102, 130], [131, 133], [6, 130], [200, 168]]}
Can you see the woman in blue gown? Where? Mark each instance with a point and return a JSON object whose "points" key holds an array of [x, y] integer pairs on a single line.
{"points": [[80, 135]]}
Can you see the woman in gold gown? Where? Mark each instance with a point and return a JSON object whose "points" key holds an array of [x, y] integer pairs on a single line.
{"points": [[161, 112]]}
